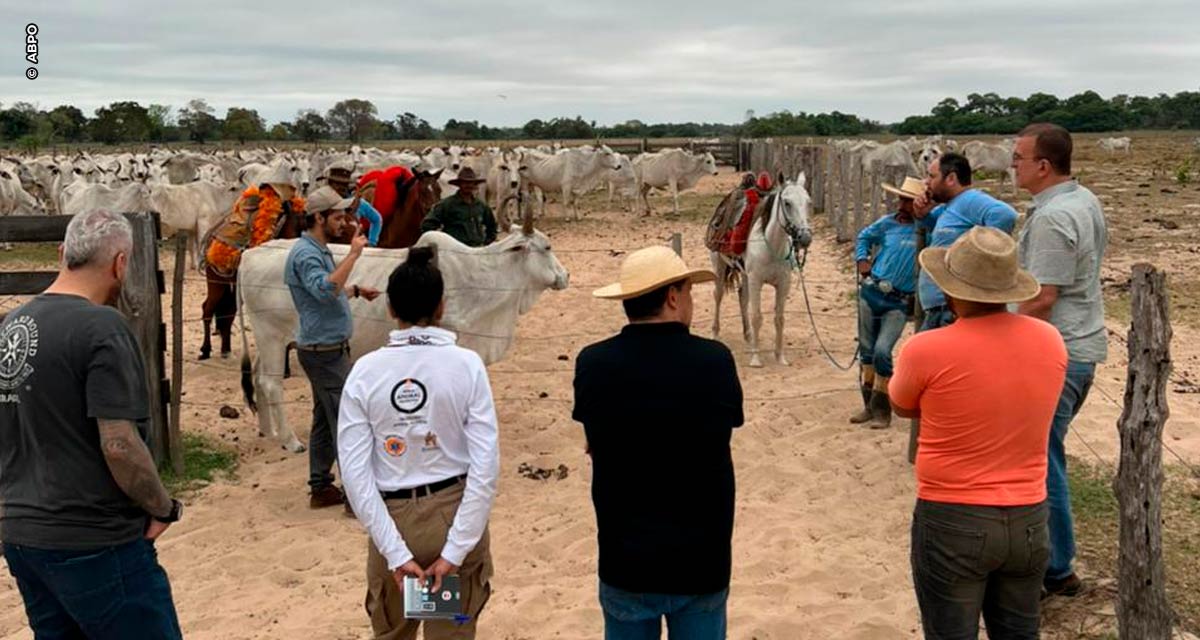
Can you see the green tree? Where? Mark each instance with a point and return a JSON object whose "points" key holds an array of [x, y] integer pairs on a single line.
{"points": [[15, 123], [121, 122], [242, 125], [310, 126], [353, 119], [160, 121], [198, 121], [68, 123], [410, 127]]}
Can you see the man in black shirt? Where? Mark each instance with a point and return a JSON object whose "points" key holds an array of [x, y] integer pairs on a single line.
{"points": [[81, 502], [658, 406]]}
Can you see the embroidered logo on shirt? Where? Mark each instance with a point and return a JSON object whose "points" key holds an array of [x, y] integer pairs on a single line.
{"points": [[395, 446], [18, 343], [409, 396]]}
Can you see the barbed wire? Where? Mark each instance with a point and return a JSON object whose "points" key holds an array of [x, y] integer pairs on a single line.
{"points": [[1121, 407]]}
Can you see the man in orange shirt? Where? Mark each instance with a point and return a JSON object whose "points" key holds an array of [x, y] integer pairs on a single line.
{"points": [[985, 389]]}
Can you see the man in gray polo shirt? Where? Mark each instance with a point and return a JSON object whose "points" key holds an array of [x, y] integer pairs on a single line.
{"points": [[1062, 245]]}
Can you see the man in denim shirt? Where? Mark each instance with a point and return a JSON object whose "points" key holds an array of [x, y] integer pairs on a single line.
{"points": [[1062, 245], [960, 209], [318, 289], [884, 298]]}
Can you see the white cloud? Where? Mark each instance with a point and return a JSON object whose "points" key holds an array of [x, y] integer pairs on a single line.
{"points": [[610, 61]]}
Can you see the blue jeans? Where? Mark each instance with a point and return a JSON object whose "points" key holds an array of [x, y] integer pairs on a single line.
{"points": [[937, 317], [114, 592], [881, 320], [1058, 493], [638, 616]]}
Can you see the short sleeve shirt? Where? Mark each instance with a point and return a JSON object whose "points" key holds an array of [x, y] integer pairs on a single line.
{"points": [[1062, 244], [66, 363], [987, 388]]}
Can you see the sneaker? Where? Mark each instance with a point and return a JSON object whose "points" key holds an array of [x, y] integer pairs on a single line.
{"points": [[327, 496], [1069, 586]]}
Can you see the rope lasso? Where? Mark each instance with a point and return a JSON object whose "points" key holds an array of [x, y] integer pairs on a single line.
{"points": [[813, 321]]}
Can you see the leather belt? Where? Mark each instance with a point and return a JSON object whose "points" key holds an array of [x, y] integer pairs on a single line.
{"points": [[341, 346], [422, 491]]}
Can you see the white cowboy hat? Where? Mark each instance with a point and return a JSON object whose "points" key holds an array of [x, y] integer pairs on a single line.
{"points": [[981, 266], [912, 188], [648, 269]]}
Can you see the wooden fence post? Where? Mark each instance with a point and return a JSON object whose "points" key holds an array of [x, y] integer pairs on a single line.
{"points": [[843, 233], [860, 213], [677, 243], [877, 175], [1143, 611], [141, 302], [174, 437], [828, 182]]}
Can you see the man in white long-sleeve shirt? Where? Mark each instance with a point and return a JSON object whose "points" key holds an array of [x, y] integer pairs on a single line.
{"points": [[418, 449]]}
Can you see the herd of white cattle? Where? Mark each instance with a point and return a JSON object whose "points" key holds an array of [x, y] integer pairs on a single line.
{"points": [[192, 191]]}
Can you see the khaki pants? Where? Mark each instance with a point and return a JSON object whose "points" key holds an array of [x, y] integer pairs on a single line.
{"points": [[424, 524]]}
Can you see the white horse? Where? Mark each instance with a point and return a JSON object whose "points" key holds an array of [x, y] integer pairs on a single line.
{"points": [[778, 232]]}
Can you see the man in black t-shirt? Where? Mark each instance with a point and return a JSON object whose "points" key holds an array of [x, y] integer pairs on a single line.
{"points": [[81, 502], [658, 406]]}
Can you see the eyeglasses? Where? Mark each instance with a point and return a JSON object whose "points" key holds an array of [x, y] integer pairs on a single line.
{"points": [[1016, 157]]}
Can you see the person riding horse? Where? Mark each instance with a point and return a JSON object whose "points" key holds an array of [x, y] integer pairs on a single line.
{"points": [[338, 177], [262, 213]]}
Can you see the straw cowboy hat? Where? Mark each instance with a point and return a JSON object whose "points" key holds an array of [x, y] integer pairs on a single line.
{"points": [[912, 188], [326, 199], [981, 266], [466, 175], [648, 269]]}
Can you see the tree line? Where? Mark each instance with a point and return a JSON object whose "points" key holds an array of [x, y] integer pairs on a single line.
{"points": [[357, 120]]}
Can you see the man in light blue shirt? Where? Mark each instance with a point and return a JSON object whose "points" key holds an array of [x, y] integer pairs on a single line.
{"points": [[959, 209], [885, 296], [318, 289]]}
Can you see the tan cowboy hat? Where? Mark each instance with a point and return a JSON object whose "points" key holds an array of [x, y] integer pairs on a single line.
{"points": [[912, 188], [648, 269], [326, 199], [466, 175], [981, 266], [340, 171]]}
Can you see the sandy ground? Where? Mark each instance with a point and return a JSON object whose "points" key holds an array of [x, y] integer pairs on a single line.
{"points": [[823, 508]]}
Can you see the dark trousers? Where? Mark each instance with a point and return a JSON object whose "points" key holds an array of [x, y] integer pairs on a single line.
{"points": [[115, 592], [968, 560], [326, 371]]}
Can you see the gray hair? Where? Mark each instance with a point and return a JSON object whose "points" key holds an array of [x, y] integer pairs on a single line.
{"points": [[95, 237]]}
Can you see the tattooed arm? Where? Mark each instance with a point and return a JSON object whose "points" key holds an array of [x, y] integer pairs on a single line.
{"points": [[132, 467]]}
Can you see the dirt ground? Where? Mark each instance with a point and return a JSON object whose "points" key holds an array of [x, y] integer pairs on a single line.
{"points": [[823, 507]]}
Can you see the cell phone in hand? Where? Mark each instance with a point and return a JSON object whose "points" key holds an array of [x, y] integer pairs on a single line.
{"points": [[421, 603]]}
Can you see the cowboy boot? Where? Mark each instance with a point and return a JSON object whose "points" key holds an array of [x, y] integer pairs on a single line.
{"points": [[865, 386], [881, 405]]}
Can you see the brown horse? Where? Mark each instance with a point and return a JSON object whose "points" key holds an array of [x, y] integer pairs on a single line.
{"points": [[414, 199]]}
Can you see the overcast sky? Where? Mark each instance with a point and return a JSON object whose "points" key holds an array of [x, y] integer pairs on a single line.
{"points": [[503, 62]]}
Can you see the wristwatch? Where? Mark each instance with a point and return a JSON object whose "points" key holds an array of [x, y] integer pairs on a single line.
{"points": [[174, 515], [354, 289]]}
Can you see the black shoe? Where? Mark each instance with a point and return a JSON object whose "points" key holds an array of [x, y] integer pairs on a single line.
{"points": [[1069, 586], [326, 496]]}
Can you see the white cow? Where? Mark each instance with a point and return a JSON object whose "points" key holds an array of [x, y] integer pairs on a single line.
{"points": [[895, 154], [623, 183], [992, 157], [928, 154], [671, 169], [14, 198], [1113, 145], [250, 174], [780, 229], [568, 173], [487, 289], [505, 179]]}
